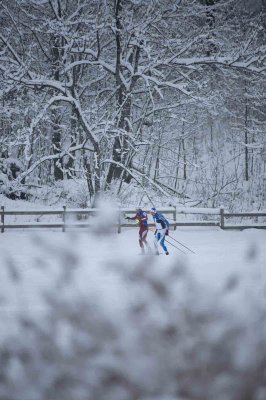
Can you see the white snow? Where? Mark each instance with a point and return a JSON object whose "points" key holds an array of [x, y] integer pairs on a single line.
{"points": [[86, 303], [31, 261]]}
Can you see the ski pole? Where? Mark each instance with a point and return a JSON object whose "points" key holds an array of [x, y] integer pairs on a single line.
{"points": [[155, 244], [171, 237], [175, 247], [182, 251]]}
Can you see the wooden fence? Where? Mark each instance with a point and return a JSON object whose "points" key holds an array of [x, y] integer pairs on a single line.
{"points": [[174, 212]]}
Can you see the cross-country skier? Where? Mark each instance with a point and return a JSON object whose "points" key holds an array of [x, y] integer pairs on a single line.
{"points": [[162, 228], [142, 219]]}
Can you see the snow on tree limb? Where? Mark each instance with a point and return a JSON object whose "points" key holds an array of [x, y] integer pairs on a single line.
{"points": [[226, 61], [51, 157]]}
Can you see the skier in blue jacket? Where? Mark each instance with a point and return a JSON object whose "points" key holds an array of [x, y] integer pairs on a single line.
{"points": [[162, 228]]}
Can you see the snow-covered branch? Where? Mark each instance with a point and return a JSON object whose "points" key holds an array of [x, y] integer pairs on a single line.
{"points": [[51, 157]]}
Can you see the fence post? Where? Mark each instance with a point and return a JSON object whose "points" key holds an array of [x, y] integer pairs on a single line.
{"points": [[64, 219], [119, 221], [3, 219], [221, 218], [175, 217]]}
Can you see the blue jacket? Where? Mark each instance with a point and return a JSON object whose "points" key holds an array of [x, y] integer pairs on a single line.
{"points": [[160, 221]]}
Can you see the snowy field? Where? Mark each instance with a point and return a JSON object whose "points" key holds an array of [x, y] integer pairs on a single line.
{"points": [[84, 307], [32, 259]]}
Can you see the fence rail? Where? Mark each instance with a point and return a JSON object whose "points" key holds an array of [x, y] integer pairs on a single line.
{"points": [[173, 211]]}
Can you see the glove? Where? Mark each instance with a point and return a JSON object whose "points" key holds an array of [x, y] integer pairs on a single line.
{"points": [[166, 233], [126, 217]]}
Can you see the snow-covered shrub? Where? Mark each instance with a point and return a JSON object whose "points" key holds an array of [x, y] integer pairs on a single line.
{"points": [[69, 192], [139, 332]]}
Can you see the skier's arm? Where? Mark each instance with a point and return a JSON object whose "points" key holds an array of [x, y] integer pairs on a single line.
{"points": [[133, 218], [166, 223], [167, 227]]}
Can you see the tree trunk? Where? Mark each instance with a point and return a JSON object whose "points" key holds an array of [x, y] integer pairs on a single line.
{"points": [[177, 166], [157, 161], [56, 117], [185, 159], [246, 140], [123, 107], [56, 143]]}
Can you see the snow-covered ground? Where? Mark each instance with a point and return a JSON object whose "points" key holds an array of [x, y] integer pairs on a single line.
{"points": [[85, 307], [219, 256]]}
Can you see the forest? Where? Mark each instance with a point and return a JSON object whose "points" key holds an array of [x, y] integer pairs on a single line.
{"points": [[134, 100]]}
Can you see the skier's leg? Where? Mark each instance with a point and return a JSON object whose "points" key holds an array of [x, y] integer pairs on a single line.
{"points": [[144, 239], [156, 240], [163, 244], [141, 242]]}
